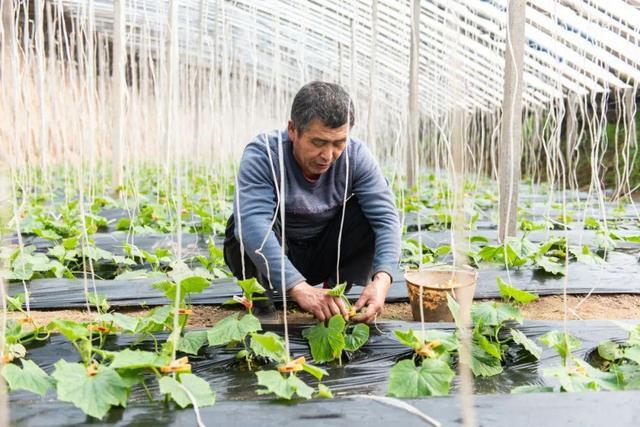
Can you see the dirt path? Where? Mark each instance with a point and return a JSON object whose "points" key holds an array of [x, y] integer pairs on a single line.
{"points": [[546, 308]]}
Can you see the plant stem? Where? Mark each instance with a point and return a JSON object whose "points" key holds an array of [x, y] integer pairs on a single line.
{"points": [[146, 389]]}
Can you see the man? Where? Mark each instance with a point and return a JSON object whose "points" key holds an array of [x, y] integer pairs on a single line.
{"points": [[319, 159]]}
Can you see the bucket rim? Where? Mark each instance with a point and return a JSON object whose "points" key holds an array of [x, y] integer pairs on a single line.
{"points": [[442, 268]]}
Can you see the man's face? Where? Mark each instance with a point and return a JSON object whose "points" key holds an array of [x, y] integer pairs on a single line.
{"points": [[318, 147]]}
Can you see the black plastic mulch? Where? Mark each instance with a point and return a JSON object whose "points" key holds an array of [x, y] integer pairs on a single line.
{"points": [[618, 276], [365, 373]]}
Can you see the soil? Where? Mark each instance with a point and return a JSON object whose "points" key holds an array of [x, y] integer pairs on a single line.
{"points": [[545, 308]]}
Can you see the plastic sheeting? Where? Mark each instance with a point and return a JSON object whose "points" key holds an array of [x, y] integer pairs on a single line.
{"points": [[550, 410], [575, 237], [366, 373], [618, 276], [192, 244]]}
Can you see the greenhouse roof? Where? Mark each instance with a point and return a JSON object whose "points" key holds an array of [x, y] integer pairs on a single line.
{"points": [[572, 46]]}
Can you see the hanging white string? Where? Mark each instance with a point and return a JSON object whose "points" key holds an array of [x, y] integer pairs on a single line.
{"points": [[344, 195], [283, 288]]}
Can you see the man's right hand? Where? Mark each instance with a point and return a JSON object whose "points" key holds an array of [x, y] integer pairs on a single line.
{"points": [[317, 302]]}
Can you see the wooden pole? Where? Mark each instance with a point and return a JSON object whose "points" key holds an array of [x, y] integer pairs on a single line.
{"points": [[510, 151], [414, 120], [42, 132], [118, 96], [572, 140], [458, 127]]}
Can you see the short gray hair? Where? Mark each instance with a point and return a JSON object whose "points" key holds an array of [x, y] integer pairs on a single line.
{"points": [[327, 102]]}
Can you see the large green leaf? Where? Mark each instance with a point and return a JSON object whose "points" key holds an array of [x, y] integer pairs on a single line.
{"points": [[137, 359], [182, 273], [194, 284], [528, 344], [282, 386], [633, 353], [302, 389], [442, 342], [16, 302], [408, 338], [357, 338], [508, 312], [490, 347], [571, 380], [433, 378], [269, 345], [609, 350], [563, 343], [509, 292], [326, 342], [231, 329], [447, 339], [73, 331], [550, 265], [250, 287], [485, 313], [188, 285], [584, 255], [315, 371], [604, 380], [159, 315], [199, 390], [93, 394], [629, 375], [155, 320], [30, 377], [483, 364], [192, 342], [96, 254], [634, 331], [122, 321]]}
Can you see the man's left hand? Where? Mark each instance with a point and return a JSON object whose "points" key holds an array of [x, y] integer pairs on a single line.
{"points": [[372, 298]]}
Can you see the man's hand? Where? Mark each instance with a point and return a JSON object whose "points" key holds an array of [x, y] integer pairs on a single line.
{"points": [[373, 297], [317, 302]]}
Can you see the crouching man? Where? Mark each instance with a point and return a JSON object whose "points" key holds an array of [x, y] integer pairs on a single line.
{"points": [[320, 159]]}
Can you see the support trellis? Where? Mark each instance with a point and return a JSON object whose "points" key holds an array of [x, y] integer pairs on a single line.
{"points": [[178, 86], [511, 141]]}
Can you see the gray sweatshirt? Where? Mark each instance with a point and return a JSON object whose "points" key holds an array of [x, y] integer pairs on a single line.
{"points": [[309, 205]]}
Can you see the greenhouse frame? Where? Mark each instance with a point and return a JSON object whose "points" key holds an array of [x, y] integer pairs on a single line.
{"points": [[319, 212]]}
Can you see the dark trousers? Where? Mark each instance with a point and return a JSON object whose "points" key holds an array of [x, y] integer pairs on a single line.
{"points": [[316, 258]]}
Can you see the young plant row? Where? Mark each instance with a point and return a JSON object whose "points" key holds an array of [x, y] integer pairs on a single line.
{"points": [[548, 256], [612, 366], [69, 258], [430, 369], [104, 378]]}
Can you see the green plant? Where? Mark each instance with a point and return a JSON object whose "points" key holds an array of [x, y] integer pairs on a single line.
{"points": [[415, 255], [428, 372], [27, 264], [548, 256], [614, 366], [490, 320], [214, 262], [328, 342], [105, 378], [250, 287], [284, 381]]}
